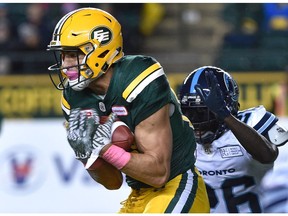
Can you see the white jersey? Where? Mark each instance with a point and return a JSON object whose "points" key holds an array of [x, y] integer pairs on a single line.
{"points": [[231, 175], [274, 185], [275, 190]]}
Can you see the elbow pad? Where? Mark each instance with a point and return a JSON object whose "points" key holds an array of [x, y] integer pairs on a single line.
{"points": [[278, 135]]}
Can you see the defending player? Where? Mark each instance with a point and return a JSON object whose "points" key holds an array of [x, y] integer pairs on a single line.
{"points": [[274, 187], [94, 73], [234, 148]]}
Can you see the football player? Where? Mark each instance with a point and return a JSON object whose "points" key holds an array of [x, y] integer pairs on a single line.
{"points": [[274, 185], [95, 74], [234, 148]]}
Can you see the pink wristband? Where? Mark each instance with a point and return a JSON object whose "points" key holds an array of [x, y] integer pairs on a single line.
{"points": [[116, 156]]}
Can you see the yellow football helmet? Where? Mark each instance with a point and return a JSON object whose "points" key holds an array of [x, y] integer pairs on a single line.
{"points": [[93, 32]]}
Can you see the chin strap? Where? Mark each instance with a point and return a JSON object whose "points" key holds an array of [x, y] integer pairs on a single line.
{"points": [[79, 86]]}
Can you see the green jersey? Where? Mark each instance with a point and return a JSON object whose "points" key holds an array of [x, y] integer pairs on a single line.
{"points": [[138, 89]]}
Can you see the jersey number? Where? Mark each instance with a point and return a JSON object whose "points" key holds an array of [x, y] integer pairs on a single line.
{"points": [[233, 200], [244, 117]]}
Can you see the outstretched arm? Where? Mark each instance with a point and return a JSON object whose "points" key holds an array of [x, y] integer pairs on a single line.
{"points": [[255, 144]]}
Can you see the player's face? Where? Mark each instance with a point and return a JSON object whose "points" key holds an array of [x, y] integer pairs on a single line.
{"points": [[71, 61], [203, 121]]}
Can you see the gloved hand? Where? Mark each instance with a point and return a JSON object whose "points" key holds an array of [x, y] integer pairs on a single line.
{"points": [[81, 128], [101, 138], [87, 136], [214, 98]]}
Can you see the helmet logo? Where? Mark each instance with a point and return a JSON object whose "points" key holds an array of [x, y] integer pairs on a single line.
{"points": [[102, 34], [198, 99]]}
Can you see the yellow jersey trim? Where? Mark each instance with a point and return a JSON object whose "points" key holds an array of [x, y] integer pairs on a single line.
{"points": [[139, 79], [64, 102]]}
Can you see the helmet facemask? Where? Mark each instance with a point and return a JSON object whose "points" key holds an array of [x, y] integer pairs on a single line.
{"points": [[77, 79], [206, 126]]}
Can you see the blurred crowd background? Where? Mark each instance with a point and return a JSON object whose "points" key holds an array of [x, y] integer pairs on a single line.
{"points": [[248, 39], [182, 36]]}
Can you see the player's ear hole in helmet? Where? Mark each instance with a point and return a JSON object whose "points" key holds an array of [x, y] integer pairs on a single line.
{"points": [[89, 31], [207, 126]]}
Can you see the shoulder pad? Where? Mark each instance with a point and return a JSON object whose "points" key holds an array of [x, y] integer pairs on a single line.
{"points": [[278, 134], [143, 79], [258, 118]]}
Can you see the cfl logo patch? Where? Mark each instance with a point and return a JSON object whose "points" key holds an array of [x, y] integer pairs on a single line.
{"points": [[102, 34]]}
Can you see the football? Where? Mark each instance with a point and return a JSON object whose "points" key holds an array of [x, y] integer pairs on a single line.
{"points": [[103, 172], [122, 136]]}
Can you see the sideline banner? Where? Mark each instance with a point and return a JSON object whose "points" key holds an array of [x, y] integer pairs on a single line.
{"points": [[30, 96], [26, 96], [39, 173]]}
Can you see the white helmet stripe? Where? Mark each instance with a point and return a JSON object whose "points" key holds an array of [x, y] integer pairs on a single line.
{"points": [[56, 33]]}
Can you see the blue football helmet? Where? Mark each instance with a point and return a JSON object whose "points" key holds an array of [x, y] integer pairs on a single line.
{"points": [[207, 126]]}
